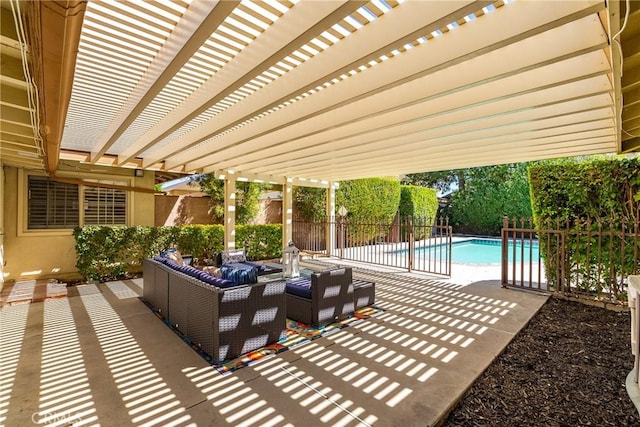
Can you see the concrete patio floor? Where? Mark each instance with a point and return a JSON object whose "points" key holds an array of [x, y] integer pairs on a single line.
{"points": [[100, 356]]}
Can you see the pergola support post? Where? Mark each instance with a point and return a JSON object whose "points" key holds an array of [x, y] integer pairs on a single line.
{"points": [[229, 213], [287, 211], [330, 237]]}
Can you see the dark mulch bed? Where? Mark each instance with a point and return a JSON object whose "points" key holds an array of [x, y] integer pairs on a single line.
{"points": [[566, 368]]}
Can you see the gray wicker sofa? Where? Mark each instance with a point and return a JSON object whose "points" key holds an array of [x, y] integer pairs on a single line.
{"points": [[225, 320], [321, 299]]}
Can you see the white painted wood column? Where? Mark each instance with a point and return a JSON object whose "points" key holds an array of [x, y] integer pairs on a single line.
{"points": [[287, 211], [230, 213], [330, 237]]}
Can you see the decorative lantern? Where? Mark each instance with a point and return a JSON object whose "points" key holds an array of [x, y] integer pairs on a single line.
{"points": [[291, 261]]}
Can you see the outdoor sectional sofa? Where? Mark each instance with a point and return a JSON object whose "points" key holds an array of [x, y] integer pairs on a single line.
{"points": [[224, 319], [321, 299]]}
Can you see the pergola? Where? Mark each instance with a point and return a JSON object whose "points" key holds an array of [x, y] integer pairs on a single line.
{"points": [[315, 92]]}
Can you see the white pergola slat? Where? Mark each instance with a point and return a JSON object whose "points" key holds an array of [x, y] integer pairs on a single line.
{"points": [[336, 109], [432, 111], [334, 90], [256, 56], [350, 52]]}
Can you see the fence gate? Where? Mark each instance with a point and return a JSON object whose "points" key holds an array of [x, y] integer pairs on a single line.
{"points": [[522, 264], [409, 243]]}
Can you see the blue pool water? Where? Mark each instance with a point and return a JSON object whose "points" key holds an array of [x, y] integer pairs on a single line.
{"points": [[483, 251]]}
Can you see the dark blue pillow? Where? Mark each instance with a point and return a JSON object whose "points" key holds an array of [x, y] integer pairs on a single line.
{"points": [[299, 287]]}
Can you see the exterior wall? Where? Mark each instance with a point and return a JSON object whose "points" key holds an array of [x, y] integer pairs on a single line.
{"points": [[51, 253], [180, 210], [270, 212]]}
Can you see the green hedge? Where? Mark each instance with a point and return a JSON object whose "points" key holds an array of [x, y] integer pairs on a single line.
{"points": [[421, 204], [368, 202], [260, 241], [585, 197], [595, 188], [111, 252]]}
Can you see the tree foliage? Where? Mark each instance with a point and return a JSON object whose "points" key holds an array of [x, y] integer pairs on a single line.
{"points": [[247, 198], [443, 181], [482, 196], [309, 203], [490, 194]]}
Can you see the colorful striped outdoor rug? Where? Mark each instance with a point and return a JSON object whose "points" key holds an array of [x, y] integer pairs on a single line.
{"points": [[297, 334]]}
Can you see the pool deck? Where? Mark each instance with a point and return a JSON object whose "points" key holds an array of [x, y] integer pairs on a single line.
{"points": [[99, 355]]}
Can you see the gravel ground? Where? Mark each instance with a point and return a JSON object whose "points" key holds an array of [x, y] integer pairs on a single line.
{"points": [[566, 368]]}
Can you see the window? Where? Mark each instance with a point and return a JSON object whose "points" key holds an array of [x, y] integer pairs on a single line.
{"points": [[52, 204], [56, 205], [104, 206]]}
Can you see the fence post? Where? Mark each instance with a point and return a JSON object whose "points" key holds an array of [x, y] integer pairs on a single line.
{"points": [[412, 243], [341, 235], [449, 245], [505, 252]]}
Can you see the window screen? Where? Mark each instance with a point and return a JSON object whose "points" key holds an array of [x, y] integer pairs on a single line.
{"points": [[52, 204]]}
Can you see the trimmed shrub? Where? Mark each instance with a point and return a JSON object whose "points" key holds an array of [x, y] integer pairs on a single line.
{"points": [[596, 188], [421, 204], [260, 241], [112, 252], [373, 200]]}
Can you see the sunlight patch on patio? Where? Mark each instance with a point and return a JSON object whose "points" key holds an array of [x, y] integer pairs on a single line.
{"points": [[13, 321], [220, 391], [146, 396], [65, 392]]}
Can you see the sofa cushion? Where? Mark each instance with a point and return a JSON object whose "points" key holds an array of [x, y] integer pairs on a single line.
{"points": [[191, 271], [239, 273], [299, 287], [219, 283]]}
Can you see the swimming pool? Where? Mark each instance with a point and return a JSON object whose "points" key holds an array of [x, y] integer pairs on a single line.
{"points": [[482, 251]]}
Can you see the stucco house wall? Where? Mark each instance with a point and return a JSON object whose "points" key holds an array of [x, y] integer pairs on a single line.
{"points": [[186, 209], [181, 210], [51, 253]]}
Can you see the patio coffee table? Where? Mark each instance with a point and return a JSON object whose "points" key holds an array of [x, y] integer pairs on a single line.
{"points": [[304, 272]]}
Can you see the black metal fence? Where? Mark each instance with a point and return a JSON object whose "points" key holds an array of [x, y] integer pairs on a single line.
{"points": [[580, 257], [419, 244]]}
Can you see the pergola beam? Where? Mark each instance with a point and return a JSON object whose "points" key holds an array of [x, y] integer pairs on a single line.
{"points": [[191, 32]]}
